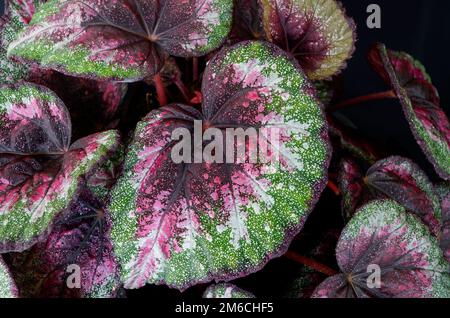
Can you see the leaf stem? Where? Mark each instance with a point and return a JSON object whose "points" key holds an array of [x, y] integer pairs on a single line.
{"points": [[183, 89], [321, 268], [333, 187], [363, 99], [160, 90]]}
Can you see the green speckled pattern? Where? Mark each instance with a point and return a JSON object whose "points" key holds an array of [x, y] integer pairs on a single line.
{"points": [[403, 181], [226, 291], [29, 205], [269, 207], [97, 43], [317, 32], [10, 71], [384, 234], [8, 288], [19, 227]]}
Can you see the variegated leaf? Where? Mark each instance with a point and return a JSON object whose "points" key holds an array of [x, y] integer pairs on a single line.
{"points": [[317, 33], [388, 253], [124, 40], [420, 101], [183, 223], [79, 240], [40, 171]]}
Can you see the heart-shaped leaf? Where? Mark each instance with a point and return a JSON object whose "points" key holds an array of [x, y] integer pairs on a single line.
{"points": [[8, 288], [317, 33], [420, 101], [226, 291], [40, 171], [93, 105], [78, 241], [121, 39], [386, 252], [403, 181], [396, 178], [183, 223]]}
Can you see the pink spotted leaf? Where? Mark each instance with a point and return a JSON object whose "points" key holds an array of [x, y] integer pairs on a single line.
{"points": [[125, 40], [79, 238], [93, 105], [402, 180], [385, 252], [396, 178], [317, 33], [40, 170], [183, 223]]}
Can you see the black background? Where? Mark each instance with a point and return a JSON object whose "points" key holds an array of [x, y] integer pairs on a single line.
{"points": [[419, 27]]}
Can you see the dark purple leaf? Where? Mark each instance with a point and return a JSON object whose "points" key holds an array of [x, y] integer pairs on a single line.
{"points": [[317, 33], [247, 21], [348, 140], [40, 171], [307, 279], [170, 73], [121, 39], [93, 105], [80, 239], [403, 181], [352, 186], [382, 236], [420, 101]]}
